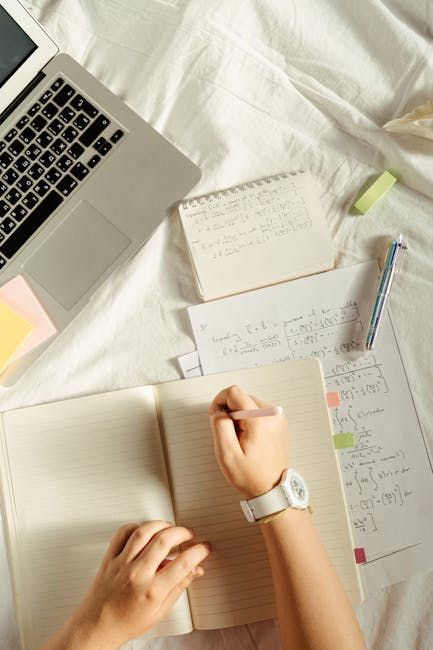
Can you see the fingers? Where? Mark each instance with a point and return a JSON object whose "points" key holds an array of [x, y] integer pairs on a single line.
{"points": [[182, 568], [232, 398], [119, 540], [160, 546], [179, 588], [225, 440], [140, 537]]}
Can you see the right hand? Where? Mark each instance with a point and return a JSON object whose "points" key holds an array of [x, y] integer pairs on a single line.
{"points": [[253, 453]]}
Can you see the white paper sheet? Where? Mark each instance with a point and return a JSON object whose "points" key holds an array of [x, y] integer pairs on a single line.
{"points": [[190, 365], [388, 476]]}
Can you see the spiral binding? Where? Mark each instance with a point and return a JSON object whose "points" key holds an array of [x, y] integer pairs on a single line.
{"points": [[236, 189]]}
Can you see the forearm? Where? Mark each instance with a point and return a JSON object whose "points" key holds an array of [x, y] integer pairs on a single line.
{"points": [[79, 634], [313, 609]]}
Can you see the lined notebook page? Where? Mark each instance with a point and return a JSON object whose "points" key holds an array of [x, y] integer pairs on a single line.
{"points": [[72, 473], [237, 585], [275, 221]]}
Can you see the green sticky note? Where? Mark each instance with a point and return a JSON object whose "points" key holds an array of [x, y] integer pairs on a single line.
{"points": [[344, 440], [375, 191]]}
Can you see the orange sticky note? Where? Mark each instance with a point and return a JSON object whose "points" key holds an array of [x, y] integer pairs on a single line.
{"points": [[14, 330], [333, 399], [17, 294]]}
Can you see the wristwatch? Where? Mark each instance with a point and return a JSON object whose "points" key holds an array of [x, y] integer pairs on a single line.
{"points": [[291, 492]]}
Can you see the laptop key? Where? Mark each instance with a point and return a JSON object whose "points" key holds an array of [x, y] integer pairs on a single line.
{"points": [[10, 135], [94, 130], [21, 164], [25, 183], [4, 208], [34, 109], [16, 147], [36, 171], [27, 135], [46, 96], [53, 176], [7, 225], [75, 150], [2, 262], [64, 163], [2, 145], [44, 139], [5, 160], [105, 148], [67, 114], [19, 213], [81, 121], [33, 151], [69, 134], [3, 188], [57, 84], [13, 196], [94, 161], [58, 146], [80, 171], [22, 122], [55, 127], [10, 176], [41, 188], [67, 185], [47, 159], [30, 200], [116, 136], [30, 225], [81, 104], [64, 95], [38, 123], [49, 110]]}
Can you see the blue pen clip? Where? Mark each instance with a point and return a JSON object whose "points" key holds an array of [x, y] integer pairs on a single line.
{"points": [[393, 260]]}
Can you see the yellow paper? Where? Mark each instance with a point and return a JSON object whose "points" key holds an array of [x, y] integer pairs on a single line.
{"points": [[13, 332]]}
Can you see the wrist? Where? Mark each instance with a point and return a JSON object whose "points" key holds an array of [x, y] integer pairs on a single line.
{"points": [[81, 632], [260, 486]]}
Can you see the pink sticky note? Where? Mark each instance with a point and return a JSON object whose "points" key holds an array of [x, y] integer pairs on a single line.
{"points": [[17, 294], [360, 557], [333, 399]]}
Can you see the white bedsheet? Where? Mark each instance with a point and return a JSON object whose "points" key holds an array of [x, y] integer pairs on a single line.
{"points": [[248, 89]]}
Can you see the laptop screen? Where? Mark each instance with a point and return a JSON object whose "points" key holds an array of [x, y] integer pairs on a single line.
{"points": [[15, 46]]}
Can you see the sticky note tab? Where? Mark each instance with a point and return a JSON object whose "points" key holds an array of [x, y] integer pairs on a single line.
{"points": [[333, 399], [17, 294], [14, 330], [344, 440], [375, 191], [360, 557]]}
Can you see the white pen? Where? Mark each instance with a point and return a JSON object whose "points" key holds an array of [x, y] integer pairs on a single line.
{"points": [[256, 413], [393, 258]]}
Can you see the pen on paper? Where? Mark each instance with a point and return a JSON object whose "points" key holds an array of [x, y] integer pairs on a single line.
{"points": [[392, 261], [256, 413]]}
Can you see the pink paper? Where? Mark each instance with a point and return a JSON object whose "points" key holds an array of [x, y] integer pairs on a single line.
{"points": [[333, 399], [17, 294]]}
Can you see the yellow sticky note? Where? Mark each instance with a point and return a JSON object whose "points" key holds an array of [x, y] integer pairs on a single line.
{"points": [[344, 440], [375, 191], [13, 332]]}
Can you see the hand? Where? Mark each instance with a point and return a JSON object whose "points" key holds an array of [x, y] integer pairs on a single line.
{"points": [[253, 453], [136, 586]]}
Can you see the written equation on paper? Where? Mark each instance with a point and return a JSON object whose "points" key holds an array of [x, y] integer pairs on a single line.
{"points": [[225, 223], [381, 473]]}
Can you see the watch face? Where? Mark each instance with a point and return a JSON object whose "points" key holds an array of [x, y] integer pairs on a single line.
{"points": [[298, 488]]}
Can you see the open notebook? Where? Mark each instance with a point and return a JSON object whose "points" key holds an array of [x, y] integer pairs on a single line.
{"points": [[256, 234], [73, 471]]}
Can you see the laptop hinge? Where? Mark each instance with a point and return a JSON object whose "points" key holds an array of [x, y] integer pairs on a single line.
{"points": [[23, 94]]}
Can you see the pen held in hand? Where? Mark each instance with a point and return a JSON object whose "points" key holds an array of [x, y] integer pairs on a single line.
{"points": [[256, 413]]}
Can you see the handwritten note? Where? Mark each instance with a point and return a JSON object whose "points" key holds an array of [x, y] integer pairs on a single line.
{"points": [[387, 474], [276, 221]]}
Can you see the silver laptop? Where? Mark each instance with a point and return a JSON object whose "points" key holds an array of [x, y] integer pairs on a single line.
{"points": [[84, 181]]}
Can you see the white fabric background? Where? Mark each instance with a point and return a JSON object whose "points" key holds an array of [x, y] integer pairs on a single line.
{"points": [[248, 89]]}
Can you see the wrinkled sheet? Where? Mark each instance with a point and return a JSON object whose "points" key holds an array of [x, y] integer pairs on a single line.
{"points": [[249, 89]]}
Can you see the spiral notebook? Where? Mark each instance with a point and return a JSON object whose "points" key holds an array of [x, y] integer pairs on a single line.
{"points": [[256, 234]]}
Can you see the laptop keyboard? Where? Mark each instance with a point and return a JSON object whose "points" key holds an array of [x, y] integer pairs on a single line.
{"points": [[51, 149]]}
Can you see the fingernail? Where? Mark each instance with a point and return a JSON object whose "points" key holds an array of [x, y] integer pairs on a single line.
{"points": [[197, 572]]}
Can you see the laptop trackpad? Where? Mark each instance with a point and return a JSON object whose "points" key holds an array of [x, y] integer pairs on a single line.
{"points": [[78, 252]]}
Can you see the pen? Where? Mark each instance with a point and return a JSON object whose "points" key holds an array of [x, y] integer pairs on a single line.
{"points": [[392, 259], [256, 413]]}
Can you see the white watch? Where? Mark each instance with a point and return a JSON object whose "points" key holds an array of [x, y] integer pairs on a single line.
{"points": [[291, 492]]}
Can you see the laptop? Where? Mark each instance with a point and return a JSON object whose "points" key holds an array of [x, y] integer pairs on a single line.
{"points": [[84, 181]]}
